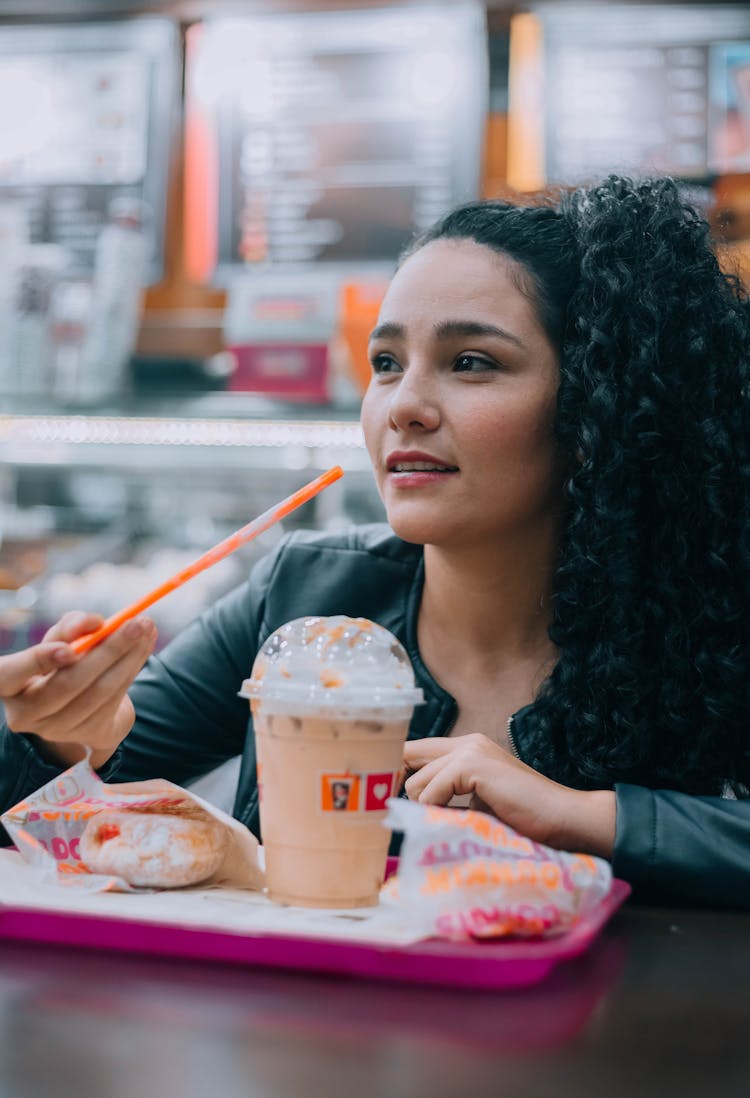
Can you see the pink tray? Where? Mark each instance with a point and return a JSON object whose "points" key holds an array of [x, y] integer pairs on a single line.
{"points": [[490, 964]]}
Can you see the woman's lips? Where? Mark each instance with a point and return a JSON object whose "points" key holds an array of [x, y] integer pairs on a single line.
{"points": [[419, 477], [418, 474], [417, 469]]}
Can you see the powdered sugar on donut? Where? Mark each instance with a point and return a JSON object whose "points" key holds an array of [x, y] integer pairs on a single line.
{"points": [[149, 850]]}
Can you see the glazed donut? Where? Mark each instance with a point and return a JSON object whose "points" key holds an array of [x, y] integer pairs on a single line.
{"points": [[153, 850]]}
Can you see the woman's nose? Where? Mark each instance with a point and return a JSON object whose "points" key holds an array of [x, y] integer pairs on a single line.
{"points": [[415, 402]]}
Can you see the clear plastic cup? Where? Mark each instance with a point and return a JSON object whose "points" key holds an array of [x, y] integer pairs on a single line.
{"points": [[331, 699]]}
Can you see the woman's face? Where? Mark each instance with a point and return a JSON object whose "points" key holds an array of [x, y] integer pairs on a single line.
{"points": [[458, 417]]}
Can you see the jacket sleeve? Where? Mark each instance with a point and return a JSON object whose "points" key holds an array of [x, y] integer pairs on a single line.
{"points": [[189, 718], [677, 848], [22, 770]]}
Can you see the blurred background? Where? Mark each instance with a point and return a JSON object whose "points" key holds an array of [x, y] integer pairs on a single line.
{"points": [[200, 203]]}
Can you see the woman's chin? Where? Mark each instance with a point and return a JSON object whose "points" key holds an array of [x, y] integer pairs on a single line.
{"points": [[419, 531]]}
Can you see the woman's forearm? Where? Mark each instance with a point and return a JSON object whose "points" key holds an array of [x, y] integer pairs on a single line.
{"points": [[588, 822]]}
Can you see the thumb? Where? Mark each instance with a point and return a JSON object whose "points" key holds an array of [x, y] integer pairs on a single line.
{"points": [[18, 668]]}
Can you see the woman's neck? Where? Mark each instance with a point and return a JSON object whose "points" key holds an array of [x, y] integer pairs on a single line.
{"points": [[492, 600]]}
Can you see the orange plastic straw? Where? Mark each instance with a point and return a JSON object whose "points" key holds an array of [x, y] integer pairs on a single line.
{"points": [[223, 549]]}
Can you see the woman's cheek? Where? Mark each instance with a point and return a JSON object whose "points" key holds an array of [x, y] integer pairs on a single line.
{"points": [[366, 421], [372, 419]]}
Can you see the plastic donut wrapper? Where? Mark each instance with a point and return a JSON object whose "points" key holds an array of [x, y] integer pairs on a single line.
{"points": [[464, 874], [77, 831]]}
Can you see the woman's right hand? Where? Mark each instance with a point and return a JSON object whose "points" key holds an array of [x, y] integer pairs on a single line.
{"points": [[66, 700]]}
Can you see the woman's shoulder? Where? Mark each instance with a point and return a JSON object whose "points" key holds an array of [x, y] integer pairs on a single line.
{"points": [[356, 571], [374, 539]]}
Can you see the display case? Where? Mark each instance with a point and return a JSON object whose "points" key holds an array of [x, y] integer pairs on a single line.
{"points": [[95, 510]]}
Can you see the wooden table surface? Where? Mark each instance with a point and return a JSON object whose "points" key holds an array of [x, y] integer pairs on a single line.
{"points": [[659, 1006]]}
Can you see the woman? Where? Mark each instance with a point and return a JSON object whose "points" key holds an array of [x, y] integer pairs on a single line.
{"points": [[558, 424]]}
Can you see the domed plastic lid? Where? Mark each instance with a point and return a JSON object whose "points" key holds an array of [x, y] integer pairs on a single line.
{"points": [[336, 662]]}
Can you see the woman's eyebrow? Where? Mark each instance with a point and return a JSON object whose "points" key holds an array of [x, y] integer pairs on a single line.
{"points": [[388, 331], [449, 329]]}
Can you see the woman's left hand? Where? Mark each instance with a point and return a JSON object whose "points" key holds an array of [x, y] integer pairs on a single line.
{"points": [[499, 783]]}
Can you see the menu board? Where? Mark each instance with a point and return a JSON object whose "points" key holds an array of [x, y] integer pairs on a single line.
{"points": [[729, 105], [632, 89], [329, 137], [98, 109], [628, 107]]}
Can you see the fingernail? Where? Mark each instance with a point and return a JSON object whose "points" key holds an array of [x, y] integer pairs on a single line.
{"points": [[76, 618], [134, 630], [63, 656]]}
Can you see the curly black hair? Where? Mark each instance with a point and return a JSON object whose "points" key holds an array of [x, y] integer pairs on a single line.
{"points": [[652, 592]]}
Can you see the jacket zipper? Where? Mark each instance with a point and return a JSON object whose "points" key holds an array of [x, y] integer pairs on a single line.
{"points": [[511, 740], [509, 729]]}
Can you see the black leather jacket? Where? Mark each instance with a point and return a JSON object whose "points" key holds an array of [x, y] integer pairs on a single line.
{"points": [[672, 847]]}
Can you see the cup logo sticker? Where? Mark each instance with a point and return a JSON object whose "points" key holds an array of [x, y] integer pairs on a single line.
{"points": [[377, 791], [340, 792], [357, 792]]}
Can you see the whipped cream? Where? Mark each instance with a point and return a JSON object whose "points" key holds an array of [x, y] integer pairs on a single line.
{"points": [[332, 663]]}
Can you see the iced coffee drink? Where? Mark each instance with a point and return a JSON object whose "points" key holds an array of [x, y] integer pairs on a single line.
{"points": [[331, 700]]}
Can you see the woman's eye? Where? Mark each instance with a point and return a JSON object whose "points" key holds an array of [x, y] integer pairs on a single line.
{"points": [[473, 364], [384, 364]]}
